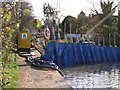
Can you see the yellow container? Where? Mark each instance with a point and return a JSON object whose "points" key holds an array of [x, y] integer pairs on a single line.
{"points": [[24, 41]]}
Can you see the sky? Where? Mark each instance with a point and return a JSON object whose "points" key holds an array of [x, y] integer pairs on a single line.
{"points": [[67, 7]]}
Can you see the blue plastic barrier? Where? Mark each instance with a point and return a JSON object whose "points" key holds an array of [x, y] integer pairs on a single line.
{"points": [[71, 54]]}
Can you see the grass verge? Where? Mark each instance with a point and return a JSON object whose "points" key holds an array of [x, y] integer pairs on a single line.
{"points": [[9, 73]]}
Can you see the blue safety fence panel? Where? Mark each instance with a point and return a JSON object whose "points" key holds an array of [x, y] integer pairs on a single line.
{"points": [[71, 54], [49, 52]]}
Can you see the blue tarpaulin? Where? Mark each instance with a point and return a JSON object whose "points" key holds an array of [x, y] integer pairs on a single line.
{"points": [[71, 54]]}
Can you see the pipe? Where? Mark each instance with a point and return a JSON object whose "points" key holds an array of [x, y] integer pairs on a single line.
{"points": [[36, 62]]}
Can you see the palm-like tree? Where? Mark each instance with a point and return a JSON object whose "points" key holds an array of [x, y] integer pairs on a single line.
{"points": [[106, 6]]}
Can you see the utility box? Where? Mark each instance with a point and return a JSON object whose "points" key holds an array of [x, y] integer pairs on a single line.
{"points": [[24, 41]]}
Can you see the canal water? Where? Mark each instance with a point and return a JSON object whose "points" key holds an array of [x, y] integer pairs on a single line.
{"points": [[94, 76]]}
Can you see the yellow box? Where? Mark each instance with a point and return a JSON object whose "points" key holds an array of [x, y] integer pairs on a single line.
{"points": [[24, 40]]}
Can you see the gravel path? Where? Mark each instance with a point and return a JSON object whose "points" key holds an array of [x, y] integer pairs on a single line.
{"points": [[30, 77]]}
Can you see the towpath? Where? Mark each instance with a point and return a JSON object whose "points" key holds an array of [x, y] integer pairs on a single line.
{"points": [[31, 77]]}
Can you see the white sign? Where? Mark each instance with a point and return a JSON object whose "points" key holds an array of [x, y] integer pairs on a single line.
{"points": [[24, 35]]}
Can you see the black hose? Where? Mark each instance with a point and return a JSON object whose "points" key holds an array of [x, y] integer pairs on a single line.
{"points": [[36, 62]]}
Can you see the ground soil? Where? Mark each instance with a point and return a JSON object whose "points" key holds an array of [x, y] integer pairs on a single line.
{"points": [[31, 77]]}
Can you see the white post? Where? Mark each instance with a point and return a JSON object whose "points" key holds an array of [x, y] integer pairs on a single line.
{"points": [[64, 29], [77, 40], [115, 39], [103, 41], [88, 38], [109, 39], [70, 28], [53, 32], [71, 39], [99, 39]]}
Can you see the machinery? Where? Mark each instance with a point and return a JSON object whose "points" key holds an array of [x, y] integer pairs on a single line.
{"points": [[24, 41]]}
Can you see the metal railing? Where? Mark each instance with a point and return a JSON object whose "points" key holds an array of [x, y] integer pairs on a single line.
{"points": [[111, 39]]}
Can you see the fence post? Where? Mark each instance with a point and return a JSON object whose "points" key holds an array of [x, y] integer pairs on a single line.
{"points": [[115, 39], [103, 41], [64, 29], [53, 32], [110, 40], [119, 39], [77, 39], [66, 39], [71, 39], [98, 39], [88, 38]]}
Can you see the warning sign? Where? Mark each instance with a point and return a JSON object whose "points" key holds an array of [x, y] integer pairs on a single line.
{"points": [[24, 35]]}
